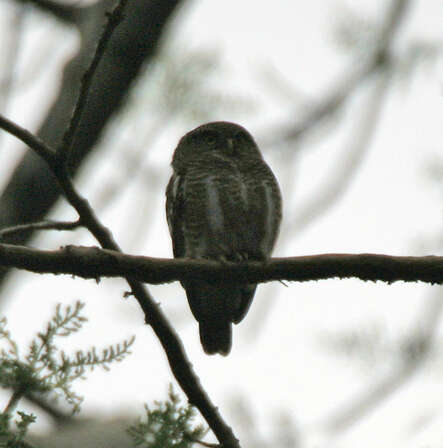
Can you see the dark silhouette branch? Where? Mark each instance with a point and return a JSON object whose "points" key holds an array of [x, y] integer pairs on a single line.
{"points": [[42, 225], [180, 366], [114, 20], [94, 263], [43, 150]]}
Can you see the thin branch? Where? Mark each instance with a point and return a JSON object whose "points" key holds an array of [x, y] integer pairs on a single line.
{"points": [[16, 396], [202, 442], [58, 416], [41, 148], [41, 225], [93, 263], [180, 366], [114, 19]]}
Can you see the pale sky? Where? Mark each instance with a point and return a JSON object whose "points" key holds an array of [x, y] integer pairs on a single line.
{"points": [[280, 362]]}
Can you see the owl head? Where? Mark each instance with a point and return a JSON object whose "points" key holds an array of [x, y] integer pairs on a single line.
{"points": [[219, 139]]}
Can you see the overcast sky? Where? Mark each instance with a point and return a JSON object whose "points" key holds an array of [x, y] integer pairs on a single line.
{"points": [[282, 360]]}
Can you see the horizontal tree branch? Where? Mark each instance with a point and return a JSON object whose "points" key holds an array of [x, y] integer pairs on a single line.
{"points": [[94, 263]]}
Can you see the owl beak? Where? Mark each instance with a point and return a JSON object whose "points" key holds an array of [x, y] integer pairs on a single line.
{"points": [[231, 146]]}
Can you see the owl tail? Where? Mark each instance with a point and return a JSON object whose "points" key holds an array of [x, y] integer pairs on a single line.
{"points": [[216, 336], [215, 306]]}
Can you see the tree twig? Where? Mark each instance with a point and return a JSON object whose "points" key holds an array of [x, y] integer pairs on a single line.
{"points": [[13, 402], [42, 149], [41, 225], [114, 18]]}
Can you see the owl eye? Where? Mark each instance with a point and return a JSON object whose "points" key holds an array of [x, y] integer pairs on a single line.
{"points": [[210, 138], [242, 137]]}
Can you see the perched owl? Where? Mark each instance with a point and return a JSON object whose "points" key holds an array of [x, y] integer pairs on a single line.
{"points": [[222, 203]]}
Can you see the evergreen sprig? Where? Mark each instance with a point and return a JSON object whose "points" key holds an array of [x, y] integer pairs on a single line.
{"points": [[15, 439], [47, 369], [167, 425]]}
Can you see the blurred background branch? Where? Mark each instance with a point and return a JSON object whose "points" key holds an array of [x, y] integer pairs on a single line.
{"points": [[32, 189]]}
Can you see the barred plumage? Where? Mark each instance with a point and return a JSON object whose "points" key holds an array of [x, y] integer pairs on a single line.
{"points": [[223, 203]]}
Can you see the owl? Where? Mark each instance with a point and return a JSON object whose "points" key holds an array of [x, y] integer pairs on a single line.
{"points": [[222, 203]]}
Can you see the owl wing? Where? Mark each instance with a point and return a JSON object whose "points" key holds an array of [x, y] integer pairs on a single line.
{"points": [[174, 214], [264, 215]]}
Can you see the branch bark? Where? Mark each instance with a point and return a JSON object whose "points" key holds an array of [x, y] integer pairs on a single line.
{"points": [[94, 263]]}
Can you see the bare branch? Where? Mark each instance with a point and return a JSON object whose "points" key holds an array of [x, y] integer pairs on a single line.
{"points": [[43, 150], [114, 19], [93, 263], [41, 225]]}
